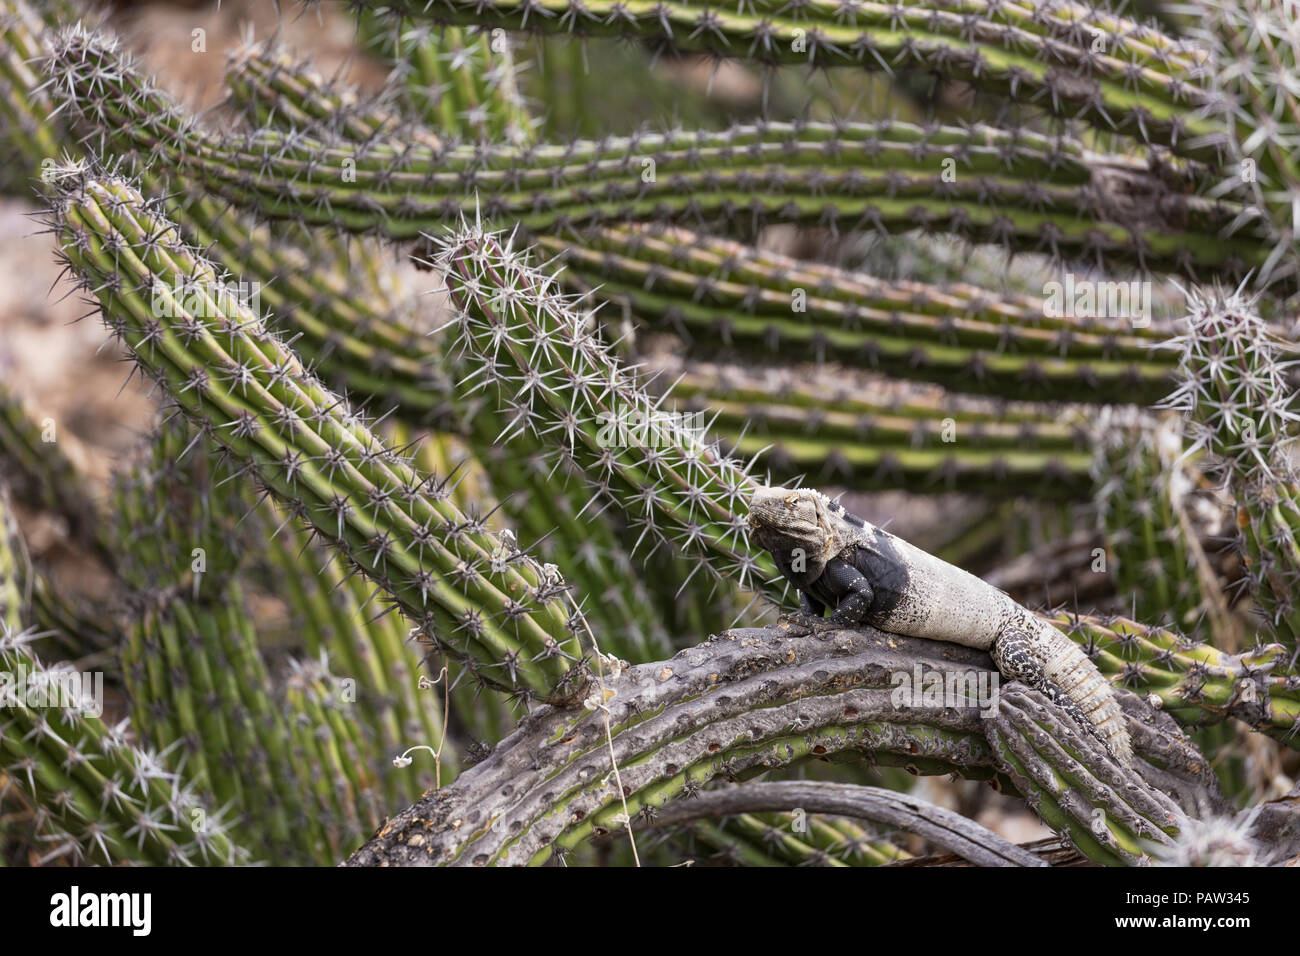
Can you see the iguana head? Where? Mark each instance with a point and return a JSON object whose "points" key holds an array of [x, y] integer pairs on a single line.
{"points": [[782, 520]]}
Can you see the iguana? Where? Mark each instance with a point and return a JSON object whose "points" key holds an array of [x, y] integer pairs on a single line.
{"points": [[867, 575]]}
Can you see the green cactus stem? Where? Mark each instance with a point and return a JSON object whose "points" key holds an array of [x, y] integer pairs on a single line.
{"points": [[1192, 680], [483, 601], [540, 359], [718, 294], [99, 796], [1144, 83], [463, 83], [1239, 402], [1024, 190]]}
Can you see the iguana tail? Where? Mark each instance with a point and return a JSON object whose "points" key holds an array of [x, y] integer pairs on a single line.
{"points": [[1046, 659]]}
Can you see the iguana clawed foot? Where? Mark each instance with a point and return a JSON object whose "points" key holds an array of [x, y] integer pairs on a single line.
{"points": [[809, 623]]}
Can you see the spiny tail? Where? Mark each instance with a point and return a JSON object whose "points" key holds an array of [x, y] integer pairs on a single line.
{"points": [[1046, 659]]}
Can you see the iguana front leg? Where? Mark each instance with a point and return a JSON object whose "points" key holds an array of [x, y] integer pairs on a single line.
{"points": [[854, 594]]}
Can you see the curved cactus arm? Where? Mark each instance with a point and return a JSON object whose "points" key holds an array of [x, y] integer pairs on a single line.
{"points": [[719, 294], [1193, 681], [1144, 83], [1020, 189], [583, 544], [1073, 785], [940, 826], [482, 600], [713, 290], [746, 700]]}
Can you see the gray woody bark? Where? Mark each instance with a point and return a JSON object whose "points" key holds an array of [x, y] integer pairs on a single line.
{"points": [[941, 827], [757, 699]]}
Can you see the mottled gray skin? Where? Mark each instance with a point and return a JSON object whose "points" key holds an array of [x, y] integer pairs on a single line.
{"points": [[865, 575]]}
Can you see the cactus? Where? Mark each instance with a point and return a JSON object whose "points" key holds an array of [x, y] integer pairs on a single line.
{"points": [[317, 180], [96, 794], [1252, 63], [687, 740], [1145, 85], [1239, 403], [1144, 495], [463, 83], [39, 474], [1192, 680], [549, 480], [486, 603], [722, 294]]}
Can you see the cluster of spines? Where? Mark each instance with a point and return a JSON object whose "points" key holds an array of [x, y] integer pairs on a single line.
{"points": [[1023, 190], [478, 596], [1236, 392]]}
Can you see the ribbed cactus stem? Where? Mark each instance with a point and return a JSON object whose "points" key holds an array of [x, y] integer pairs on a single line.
{"points": [[1253, 60], [99, 796], [41, 474], [463, 83], [1017, 188], [540, 357], [1240, 404], [1192, 680], [720, 295], [1143, 501], [1140, 82], [483, 600], [864, 433]]}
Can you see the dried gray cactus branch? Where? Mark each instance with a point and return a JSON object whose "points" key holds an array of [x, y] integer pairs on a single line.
{"points": [[940, 826], [758, 699]]}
